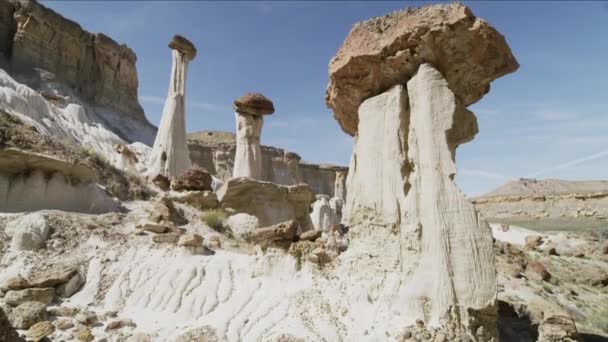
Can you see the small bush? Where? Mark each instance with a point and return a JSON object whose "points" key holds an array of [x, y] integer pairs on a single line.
{"points": [[214, 218]]}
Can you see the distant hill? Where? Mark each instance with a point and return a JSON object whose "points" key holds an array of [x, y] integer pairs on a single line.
{"points": [[527, 186]]}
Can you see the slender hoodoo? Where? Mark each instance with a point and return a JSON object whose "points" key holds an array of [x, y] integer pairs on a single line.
{"points": [[400, 84], [249, 111], [170, 155]]}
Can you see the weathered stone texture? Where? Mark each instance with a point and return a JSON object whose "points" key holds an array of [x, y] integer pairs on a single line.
{"points": [[383, 51], [93, 65]]}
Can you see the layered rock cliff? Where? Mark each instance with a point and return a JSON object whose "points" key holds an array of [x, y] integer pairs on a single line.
{"points": [[215, 151], [549, 203], [39, 47]]}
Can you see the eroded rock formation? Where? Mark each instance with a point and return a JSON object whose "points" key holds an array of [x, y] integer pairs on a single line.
{"points": [[215, 151], [170, 155], [401, 83], [249, 113], [94, 66]]}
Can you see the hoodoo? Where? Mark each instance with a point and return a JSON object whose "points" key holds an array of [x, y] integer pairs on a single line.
{"points": [[170, 155], [400, 84], [249, 111]]}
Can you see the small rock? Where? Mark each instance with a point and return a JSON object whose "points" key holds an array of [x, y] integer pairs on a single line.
{"points": [[64, 324], [190, 240], [72, 286], [39, 331], [536, 270], [45, 296], [166, 238], [162, 182], [311, 235], [87, 318], [83, 334], [54, 277], [214, 241], [63, 311], [28, 314], [533, 241], [15, 283], [114, 325], [153, 227]]}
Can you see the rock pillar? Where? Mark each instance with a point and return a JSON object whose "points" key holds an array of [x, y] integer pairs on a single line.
{"points": [[170, 155], [249, 111]]}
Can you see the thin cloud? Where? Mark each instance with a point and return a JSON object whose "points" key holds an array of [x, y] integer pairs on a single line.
{"points": [[482, 174], [571, 163]]}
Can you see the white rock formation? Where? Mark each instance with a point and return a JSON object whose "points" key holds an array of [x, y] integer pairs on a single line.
{"points": [[447, 250], [249, 111], [170, 155], [28, 232], [336, 204], [340, 185], [241, 224], [248, 158], [322, 215]]}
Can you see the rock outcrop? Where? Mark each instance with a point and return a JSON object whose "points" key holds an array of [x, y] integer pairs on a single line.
{"points": [[94, 66], [33, 181], [401, 83], [383, 51], [215, 151], [170, 156], [249, 111], [270, 203]]}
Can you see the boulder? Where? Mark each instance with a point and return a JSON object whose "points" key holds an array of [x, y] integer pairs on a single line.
{"points": [[557, 327], [265, 236], [536, 270], [29, 232], [533, 241], [190, 240], [183, 45], [199, 199], [39, 331], [72, 286], [384, 51], [311, 235], [270, 203], [166, 238], [15, 283], [162, 182], [153, 227], [28, 314], [64, 324], [83, 334], [44, 295], [118, 324], [322, 215], [241, 224], [53, 277], [194, 179], [7, 332]]}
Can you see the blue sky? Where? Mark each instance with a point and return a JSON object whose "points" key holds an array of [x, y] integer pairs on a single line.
{"points": [[547, 120]]}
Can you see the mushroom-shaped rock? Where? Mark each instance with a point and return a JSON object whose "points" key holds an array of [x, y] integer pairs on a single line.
{"points": [[254, 104], [401, 84], [183, 45], [249, 110], [170, 155], [384, 51]]}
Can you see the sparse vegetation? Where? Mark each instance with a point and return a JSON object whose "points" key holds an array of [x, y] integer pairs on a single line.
{"points": [[599, 320], [214, 218]]}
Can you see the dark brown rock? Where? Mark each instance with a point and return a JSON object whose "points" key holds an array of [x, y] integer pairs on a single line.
{"points": [[196, 178], [265, 236], [162, 182], [253, 104], [183, 45]]}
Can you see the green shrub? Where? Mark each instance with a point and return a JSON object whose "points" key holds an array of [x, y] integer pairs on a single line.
{"points": [[214, 218]]}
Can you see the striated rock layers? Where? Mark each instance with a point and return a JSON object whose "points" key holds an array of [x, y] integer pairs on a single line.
{"points": [[170, 156], [249, 113], [94, 66], [401, 83], [215, 151]]}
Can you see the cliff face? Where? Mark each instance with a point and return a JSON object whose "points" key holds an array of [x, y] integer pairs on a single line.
{"points": [[95, 67], [215, 151]]}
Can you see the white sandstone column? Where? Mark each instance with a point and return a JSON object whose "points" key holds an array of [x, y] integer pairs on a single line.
{"points": [[249, 111], [170, 155]]}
